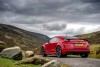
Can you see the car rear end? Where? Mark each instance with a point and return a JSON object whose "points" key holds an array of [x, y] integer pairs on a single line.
{"points": [[75, 46]]}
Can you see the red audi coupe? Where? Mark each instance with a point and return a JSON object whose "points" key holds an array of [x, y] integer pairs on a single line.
{"points": [[64, 45]]}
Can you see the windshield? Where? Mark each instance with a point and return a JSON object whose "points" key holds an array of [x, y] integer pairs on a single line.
{"points": [[69, 37]]}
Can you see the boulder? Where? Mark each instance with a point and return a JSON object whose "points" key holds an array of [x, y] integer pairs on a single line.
{"points": [[33, 60], [29, 53], [53, 63], [12, 53]]}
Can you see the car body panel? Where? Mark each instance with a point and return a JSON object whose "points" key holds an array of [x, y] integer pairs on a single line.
{"points": [[68, 45]]}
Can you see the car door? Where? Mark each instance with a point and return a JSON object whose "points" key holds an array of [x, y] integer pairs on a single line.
{"points": [[50, 45], [47, 48], [53, 44]]}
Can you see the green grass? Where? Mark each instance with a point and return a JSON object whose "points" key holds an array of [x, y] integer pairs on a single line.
{"points": [[95, 51], [64, 65], [11, 63]]}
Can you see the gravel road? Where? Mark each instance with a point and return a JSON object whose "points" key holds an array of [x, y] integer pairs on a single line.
{"points": [[77, 61]]}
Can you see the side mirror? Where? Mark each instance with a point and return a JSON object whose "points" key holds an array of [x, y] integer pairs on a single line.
{"points": [[48, 41]]}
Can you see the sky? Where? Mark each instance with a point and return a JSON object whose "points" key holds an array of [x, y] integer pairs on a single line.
{"points": [[52, 17]]}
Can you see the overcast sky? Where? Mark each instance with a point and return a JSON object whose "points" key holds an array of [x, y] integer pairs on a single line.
{"points": [[52, 17]]}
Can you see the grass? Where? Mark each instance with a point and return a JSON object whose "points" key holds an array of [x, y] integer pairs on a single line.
{"points": [[11, 63], [95, 51], [93, 38], [64, 65]]}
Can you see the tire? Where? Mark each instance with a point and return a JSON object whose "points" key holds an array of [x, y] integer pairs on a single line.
{"points": [[43, 52], [59, 52], [84, 55], [63, 55]]}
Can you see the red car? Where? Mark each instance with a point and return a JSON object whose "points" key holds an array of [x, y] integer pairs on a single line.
{"points": [[64, 45]]}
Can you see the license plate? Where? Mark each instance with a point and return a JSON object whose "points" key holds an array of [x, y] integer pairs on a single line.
{"points": [[79, 45]]}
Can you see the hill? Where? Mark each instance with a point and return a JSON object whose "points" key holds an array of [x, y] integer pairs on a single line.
{"points": [[13, 36], [93, 38]]}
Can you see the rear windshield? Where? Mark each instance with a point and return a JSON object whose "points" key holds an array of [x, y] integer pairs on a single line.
{"points": [[69, 37]]}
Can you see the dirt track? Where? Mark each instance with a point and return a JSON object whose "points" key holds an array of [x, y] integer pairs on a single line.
{"points": [[78, 61]]}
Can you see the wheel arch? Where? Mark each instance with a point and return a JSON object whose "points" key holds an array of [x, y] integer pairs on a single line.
{"points": [[59, 45], [42, 47]]}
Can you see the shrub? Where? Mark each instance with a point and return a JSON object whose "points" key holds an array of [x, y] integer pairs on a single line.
{"points": [[95, 51], [37, 51]]}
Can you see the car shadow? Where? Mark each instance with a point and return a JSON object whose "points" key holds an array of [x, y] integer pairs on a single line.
{"points": [[68, 56]]}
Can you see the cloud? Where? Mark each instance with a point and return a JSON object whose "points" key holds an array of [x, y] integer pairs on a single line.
{"points": [[91, 1], [67, 10], [53, 16], [54, 26], [76, 29]]}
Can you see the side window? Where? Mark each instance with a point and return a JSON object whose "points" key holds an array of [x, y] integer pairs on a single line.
{"points": [[54, 39]]}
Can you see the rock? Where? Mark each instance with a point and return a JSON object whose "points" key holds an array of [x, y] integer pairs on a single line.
{"points": [[53, 63], [12, 53], [29, 54], [33, 60]]}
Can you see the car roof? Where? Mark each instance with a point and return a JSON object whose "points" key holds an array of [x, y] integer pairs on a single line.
{"points": [[67, 37]]}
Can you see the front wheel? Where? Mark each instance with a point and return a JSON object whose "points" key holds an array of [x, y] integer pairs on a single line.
{"points": [[43, 52], [84, 55]]}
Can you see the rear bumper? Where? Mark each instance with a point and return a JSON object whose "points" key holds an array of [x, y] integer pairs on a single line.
{"points": [[75, 51]]}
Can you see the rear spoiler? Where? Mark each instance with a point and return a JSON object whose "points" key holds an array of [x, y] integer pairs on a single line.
{"points": [[66, 39], [79, 39]]}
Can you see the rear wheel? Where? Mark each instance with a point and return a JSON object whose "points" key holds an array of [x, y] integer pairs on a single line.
{"points": [[84, 55], [43, 52], [59, 52]]}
